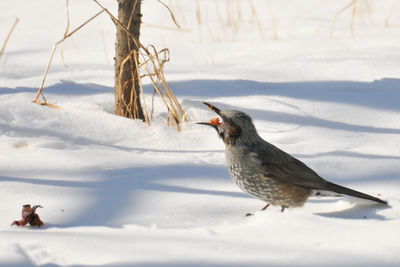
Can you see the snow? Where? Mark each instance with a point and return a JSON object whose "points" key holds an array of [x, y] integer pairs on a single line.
{"points": [[117, 193]]}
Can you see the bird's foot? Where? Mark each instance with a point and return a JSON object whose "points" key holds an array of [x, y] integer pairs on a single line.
{"points": [[251, 214], [266, 206]]}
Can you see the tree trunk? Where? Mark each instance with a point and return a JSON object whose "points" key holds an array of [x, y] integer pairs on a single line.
{"points": [[127, 90]]}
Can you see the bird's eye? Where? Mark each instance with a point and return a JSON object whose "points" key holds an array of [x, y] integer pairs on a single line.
{"points": [[229, 120]]}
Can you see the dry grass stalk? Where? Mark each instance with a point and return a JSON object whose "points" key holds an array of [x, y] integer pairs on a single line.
{"points": [[178, 27], [356, 7], [149, 60], [229, 12], [220, 19], [230, 19], [71, 40], [274, 21], [153, 65], [237, 14], [177, 9], [353, 16], [338, 13], [40, 90], [75, 47], [199, 20], [215, 37], [171, 13], [257, 19], [275, 27], [387, 22], [234, 17], [164, 27], [8, 36], [388, 18]]}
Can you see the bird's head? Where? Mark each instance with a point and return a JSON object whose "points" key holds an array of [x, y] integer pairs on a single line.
{"points": [[235, 128]]}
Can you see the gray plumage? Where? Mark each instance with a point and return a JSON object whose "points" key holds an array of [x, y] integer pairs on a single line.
{"points": [[265, 171]]}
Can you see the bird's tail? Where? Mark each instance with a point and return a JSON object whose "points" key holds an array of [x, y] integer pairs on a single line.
{"points": [[350, 192]]}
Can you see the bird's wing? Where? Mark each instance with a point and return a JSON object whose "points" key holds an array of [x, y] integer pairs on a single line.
{"points": [[277, 164]]}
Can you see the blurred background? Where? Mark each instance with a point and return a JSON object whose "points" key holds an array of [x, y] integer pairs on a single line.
{"points": [[262, 40]]}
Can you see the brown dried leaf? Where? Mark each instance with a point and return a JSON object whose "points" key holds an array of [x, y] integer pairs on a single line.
{"points": [[29, 216]]}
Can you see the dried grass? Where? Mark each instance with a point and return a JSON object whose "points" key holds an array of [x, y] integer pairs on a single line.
{"points": [[8, 36], [199, 19], [357, 7], [164, 27], [39, 93], [230, 15], [177, 9], [254, 15], [388, 19], [171, 14], [149, 63], [274, 22]]}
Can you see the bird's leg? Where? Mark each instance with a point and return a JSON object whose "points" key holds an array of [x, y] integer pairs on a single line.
{"points": [[266, 206], [250, 214], [283, 208]]}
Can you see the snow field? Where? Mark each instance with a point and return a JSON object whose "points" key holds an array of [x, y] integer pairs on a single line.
{"points": [[117, 193]]}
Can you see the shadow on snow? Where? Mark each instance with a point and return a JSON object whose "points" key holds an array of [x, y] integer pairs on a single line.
{"points": [[117, 185], [114, 188]]}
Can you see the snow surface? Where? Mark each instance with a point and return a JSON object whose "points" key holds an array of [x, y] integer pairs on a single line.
{"points": [[117, 193]]}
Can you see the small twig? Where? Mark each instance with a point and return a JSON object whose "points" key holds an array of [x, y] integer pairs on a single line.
{"points": [[40, 90], [164, 27], [8, 36], [172, 14], [258, 22], [338, 13], [220, 19]]}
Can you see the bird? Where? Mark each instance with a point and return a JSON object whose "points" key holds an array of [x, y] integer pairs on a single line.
{"points": [[266, 172]]}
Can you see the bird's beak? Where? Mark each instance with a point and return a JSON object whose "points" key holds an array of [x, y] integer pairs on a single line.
{"points": [[214, 122]]}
